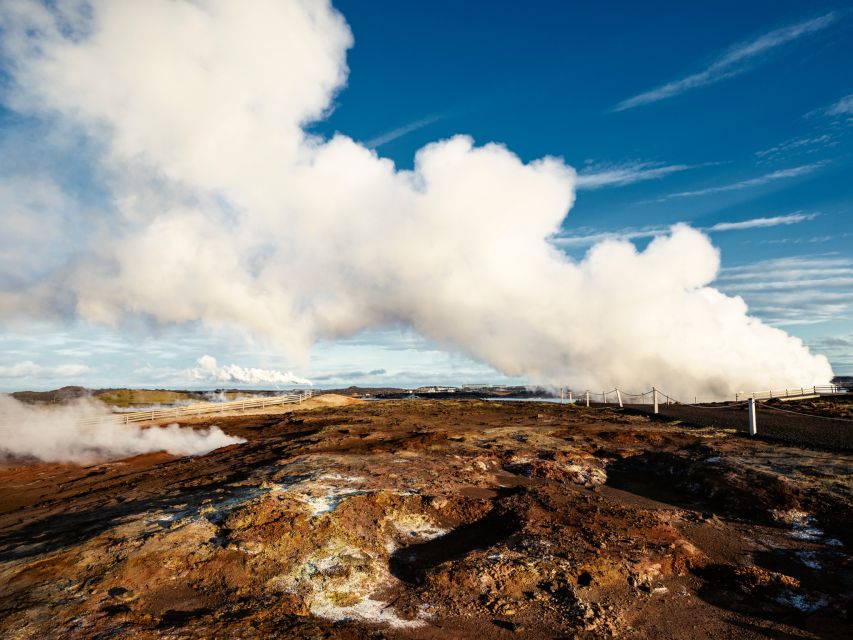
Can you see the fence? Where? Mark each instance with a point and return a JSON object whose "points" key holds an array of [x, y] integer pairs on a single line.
{"points": [[618, 396], [753, 415], [782, 394], [172, 413]]}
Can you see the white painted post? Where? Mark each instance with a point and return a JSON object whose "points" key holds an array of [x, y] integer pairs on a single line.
{"points": [[753, 428], [655, 396], [571, 400], [561, 395], [587, 398], [619, 398]]}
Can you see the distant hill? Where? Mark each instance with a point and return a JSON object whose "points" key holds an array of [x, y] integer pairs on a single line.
{"points": [[131, 397], [112, 397], [57, 396]]}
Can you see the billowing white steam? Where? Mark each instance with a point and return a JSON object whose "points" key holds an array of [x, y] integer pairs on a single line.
{"points": [[208, 369], [229, 213], [82, 432]]}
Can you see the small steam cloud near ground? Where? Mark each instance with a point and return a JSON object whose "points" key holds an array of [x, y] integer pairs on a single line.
{"points": [[228, 212], [208, 369], [60, 434]]}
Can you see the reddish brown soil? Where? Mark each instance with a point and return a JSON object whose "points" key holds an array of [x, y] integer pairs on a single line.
{"points": [[435, 519]]}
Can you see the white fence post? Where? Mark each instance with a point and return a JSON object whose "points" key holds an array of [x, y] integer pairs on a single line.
{"points": [[587, 398], [571, 400], [753, 427], [655, 397], [604, 397], [619, 398]]}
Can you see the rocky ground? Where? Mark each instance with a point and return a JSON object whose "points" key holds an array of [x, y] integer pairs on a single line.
{"points": [[435, 519]]}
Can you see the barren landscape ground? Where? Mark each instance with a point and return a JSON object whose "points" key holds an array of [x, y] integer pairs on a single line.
{"points": [[435, 519]]}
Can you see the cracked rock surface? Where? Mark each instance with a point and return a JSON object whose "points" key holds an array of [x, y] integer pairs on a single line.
{"points": [[435, 519]]}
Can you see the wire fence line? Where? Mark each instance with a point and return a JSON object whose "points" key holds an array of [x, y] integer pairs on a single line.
{"points": [[800, 413], [657, 397]]}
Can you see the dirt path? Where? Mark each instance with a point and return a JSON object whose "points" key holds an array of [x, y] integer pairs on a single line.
{"points": [[435, 519]]}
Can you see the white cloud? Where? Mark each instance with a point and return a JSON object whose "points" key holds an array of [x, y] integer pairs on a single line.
{"points": [[839, 349], [230, 215], [37, 218], [734, 62], [29, 369], [656, 231], [843, 107], [755, 223], [804, 145], [782, 174], [796, 290], [209, 370], [597, 177], [399, 132]]}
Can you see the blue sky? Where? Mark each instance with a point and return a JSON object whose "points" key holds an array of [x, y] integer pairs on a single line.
{"points": [[735, 118]]}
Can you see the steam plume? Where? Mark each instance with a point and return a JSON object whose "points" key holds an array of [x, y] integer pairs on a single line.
{"points": [[60, 434], [208, 369], [228, 212]]}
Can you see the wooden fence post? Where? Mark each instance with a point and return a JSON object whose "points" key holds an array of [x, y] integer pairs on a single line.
{"points": [[619, 398], [655, 398]]}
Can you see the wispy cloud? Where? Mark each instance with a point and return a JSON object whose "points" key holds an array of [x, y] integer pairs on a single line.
{"points": [[797, 146], [843, 107], [629, 233], [399, 132], [795, 290], [809, 239], [755, 223], [734, 62], [767, 178], [838, 349], [599, 176]]}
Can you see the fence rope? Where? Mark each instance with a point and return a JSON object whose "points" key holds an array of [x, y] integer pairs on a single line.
{"points": [[800, 413], [667, 399], [725, 406]]}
